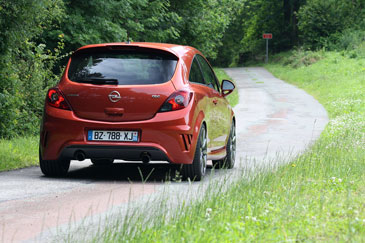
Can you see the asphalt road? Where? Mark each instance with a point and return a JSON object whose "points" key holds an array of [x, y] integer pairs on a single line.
{"points": [[275, 122]]}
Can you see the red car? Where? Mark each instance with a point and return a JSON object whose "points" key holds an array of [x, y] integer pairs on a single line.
{"points": [[138, 102]]}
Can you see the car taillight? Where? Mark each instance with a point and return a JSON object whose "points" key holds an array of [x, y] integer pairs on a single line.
{"points": [[56, 99], [177, 101]]}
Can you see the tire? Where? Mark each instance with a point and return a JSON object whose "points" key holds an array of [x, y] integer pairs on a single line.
{"points": [[230, 159], [196, 170], [102, 162], [54, 168]]}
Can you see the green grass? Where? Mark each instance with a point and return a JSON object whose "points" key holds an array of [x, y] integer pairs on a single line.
{"points": [[233, 97], [18, 153], [318, 197]]}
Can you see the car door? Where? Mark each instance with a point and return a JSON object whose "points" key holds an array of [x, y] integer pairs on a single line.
{"points": [[219, 112], [203, 95]]}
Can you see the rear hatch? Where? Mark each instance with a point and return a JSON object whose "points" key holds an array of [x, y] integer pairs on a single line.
{"points": [[118, 84]]}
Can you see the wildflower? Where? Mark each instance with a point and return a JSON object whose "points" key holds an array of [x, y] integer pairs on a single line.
{"points": [[293, 165], [208, 211]]}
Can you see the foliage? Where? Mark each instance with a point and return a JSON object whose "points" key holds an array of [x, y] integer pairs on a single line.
{"points": [[203, 23], [25, 19], [351, 42], [318, 20], [37, 35], [243, 39], [197, 23], [312, 23], [91, 22], [25, 66], [29, 76], [301, 57], [257, 21], [229, 51]]}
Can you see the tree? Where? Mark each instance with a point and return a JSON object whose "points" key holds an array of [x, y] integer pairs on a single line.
{"points": [[243, 39], [94, 21], [24, 73], [203, 23], [318, 20]]}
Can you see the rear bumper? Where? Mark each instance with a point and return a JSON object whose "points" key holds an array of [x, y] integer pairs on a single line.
{"points": [[162, 137]]}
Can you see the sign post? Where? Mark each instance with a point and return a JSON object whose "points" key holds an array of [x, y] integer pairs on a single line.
{"points": [[267, 36]]}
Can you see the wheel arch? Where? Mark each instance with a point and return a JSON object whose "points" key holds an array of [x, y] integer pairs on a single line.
{"points": [[200, 121]]}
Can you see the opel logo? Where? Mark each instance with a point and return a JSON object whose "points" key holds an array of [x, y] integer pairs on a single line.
{"points": [[114, 96]]}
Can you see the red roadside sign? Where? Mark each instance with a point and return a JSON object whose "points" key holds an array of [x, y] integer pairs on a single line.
{"points": [[267, 36]]}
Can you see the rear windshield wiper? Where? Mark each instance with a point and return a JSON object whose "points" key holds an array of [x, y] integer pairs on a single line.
{"points": [[98, 80]]}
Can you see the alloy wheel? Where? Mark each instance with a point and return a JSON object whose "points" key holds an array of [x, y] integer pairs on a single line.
{"points": [[203, 151]]}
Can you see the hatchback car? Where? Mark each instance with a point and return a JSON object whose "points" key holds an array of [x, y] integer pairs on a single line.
{"points": [[138, 102]]}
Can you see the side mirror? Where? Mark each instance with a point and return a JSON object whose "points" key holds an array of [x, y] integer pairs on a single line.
{"points": [[227, 87]]}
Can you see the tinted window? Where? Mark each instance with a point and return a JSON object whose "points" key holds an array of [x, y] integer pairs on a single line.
{"points": [[195, 73], [208, 74], [127, 66]]}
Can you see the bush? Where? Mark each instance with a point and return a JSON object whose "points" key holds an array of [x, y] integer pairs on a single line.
{"points": [[319, 20], [353, 42], [26, 66], [302, 57], [25, 80]]}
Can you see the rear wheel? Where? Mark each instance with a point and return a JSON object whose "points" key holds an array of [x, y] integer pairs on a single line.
{"points": [[197, 169], [102, 162], [229, 161], [54, 168]]}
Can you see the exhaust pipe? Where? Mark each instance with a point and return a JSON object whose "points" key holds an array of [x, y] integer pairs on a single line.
{"points": [[145, 157], [79, 155]]}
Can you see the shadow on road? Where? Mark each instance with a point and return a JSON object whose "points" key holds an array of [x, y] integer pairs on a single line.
{"points": [[131, 172]]}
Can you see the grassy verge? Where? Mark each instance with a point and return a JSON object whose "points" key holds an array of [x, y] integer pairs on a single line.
{"points": [[318, 197], [18, 153]]}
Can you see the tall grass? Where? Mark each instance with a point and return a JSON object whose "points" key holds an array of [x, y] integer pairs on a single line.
{"points": [[18, 153], [319, 196]]}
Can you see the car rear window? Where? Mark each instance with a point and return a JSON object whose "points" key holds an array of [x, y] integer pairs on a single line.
{"points": [[126, 67]]}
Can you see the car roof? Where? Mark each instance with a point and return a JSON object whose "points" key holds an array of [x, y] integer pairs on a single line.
{"points": [[178, 50]]}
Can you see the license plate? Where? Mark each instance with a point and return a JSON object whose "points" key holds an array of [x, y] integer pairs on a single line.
{"points": [[119, 136]]}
